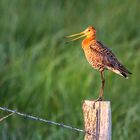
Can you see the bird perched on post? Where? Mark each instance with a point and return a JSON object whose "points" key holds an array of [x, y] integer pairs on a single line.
{"points": [[99, 56]]}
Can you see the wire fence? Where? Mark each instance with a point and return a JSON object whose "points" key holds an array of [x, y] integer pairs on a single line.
{"points": [[12, 112]]}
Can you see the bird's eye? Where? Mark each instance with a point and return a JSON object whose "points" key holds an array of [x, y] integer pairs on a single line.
{"points": [[89, 30]]}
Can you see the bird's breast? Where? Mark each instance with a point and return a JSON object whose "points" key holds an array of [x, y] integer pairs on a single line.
{"points": [[93, 58]]}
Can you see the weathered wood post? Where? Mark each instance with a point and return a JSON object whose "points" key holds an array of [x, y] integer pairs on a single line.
{"points": [[97, 119]]}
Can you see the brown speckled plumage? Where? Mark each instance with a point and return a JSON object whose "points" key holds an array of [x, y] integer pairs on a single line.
{"points": [[99, 56]]}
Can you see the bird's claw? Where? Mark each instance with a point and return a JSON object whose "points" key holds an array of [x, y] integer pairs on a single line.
{"points": [[99, 99]]}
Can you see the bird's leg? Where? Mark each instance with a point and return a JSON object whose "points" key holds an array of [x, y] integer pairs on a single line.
{"points": [[102, 87], [103, 83]]}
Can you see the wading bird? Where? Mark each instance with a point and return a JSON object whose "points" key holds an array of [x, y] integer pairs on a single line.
{"points": [[99, 56]]}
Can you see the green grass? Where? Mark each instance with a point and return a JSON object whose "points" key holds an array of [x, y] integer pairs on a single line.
{"points": [[42, 75]]}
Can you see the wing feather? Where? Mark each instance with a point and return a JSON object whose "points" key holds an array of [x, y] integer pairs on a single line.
{"points": [[109, 60]]}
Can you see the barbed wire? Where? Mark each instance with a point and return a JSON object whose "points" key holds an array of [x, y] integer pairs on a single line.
{"points": [[3, 118], [40, 119]]}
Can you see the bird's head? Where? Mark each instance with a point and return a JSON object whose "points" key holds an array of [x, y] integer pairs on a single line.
{"points": [[90, 32]]}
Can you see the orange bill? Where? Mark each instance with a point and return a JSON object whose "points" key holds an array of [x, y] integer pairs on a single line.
{"points": [[79, 35]]}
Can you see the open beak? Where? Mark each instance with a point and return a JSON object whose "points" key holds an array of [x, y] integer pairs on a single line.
{"points": [[80, 35]]}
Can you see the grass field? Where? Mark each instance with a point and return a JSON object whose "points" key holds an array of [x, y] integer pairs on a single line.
{"points": [[42, 75]]}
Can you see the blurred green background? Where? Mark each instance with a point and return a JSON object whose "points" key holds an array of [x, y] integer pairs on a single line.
{"points": [[42, 75]]}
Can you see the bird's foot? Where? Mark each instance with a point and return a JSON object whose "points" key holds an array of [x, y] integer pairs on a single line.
{"points": [[99, 99]]}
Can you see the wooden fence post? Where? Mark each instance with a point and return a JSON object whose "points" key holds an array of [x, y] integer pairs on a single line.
{"points": [[97, 119]]}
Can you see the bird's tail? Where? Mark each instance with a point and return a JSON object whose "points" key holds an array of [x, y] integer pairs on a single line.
{"points": [[123, 71]]}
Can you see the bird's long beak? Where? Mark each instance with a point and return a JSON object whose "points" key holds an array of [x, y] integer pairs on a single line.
{"points": [[82, 34]]}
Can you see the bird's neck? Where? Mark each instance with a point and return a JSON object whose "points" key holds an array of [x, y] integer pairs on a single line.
{"points": [[87, 42]]}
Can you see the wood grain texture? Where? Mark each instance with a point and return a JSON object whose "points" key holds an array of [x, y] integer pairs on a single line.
{"points": [[97, 119]]}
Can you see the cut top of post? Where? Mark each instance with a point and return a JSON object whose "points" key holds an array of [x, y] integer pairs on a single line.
{"points": [[97, 118]]}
